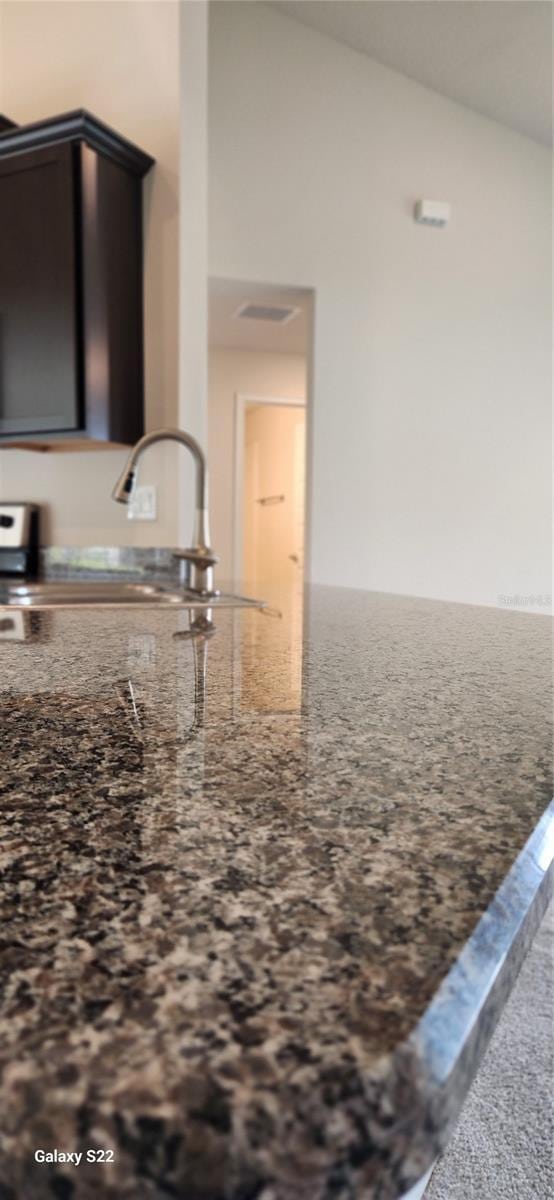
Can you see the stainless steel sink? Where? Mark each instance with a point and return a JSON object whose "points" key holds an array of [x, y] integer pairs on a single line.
{"points": [[84, 593]]}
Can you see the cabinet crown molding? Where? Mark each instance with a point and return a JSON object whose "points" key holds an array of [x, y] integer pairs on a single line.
{"points": [[79, 125]]}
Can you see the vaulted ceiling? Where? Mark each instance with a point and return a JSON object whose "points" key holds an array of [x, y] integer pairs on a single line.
{"points": [[495, 56]]}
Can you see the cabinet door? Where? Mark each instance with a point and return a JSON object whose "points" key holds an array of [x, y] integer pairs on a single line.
{"points": [[40, 372]]}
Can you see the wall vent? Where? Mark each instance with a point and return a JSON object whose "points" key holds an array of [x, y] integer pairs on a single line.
{"points": [[279, 314]]}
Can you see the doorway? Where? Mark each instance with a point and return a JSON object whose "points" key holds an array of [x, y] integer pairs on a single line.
{"points": [[270, 485], [259, 410]]}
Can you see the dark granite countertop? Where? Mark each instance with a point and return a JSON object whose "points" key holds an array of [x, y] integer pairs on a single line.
{"points": [[257, 925]]}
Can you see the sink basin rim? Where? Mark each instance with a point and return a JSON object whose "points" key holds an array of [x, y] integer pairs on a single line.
{"points": [[110, 594]]}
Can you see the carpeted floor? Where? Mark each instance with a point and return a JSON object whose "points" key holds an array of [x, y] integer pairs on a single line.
{"points": [[502, 1148]]}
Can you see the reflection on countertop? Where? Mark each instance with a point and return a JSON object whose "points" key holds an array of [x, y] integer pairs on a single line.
{"points": [[237, 872]]}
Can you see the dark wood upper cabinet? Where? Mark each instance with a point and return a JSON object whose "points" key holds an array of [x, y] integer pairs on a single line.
{"points": [[71, 283]]}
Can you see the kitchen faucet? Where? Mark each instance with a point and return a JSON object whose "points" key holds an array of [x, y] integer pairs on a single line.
{"points": [[200, 555]]}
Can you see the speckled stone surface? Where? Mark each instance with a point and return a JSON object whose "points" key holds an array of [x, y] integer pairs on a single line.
{"points": [[257, 924]]}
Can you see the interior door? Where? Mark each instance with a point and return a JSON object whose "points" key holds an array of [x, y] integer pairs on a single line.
{"points": [[274, 470]]}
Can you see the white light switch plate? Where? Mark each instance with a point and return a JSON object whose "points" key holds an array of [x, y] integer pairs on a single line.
{"points": [[12, 627], [142, 505]]}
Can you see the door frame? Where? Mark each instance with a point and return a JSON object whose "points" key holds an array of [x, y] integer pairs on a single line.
{"points": [[242, 399]]}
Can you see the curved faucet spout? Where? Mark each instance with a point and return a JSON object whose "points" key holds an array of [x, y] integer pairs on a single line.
{"points": [[200, 554]]}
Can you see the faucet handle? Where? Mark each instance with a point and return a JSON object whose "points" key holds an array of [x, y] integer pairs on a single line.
{"points": [[202, 560], [201, 556]]}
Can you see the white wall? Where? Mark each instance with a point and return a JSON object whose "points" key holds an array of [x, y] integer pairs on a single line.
{"points": [[249, 373], [193, 246], [431, 437], [121, 61]]}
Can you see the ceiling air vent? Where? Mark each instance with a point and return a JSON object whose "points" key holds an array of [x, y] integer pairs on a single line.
{"points": [[278, 313]]}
